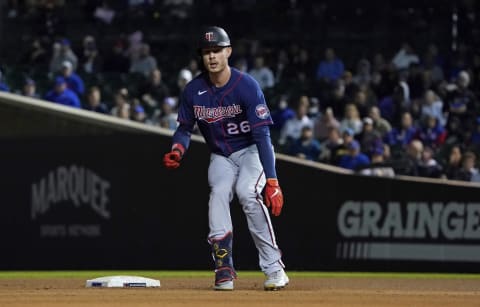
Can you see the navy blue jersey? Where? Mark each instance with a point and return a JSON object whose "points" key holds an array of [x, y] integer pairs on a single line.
{"points": [[225, 116]]}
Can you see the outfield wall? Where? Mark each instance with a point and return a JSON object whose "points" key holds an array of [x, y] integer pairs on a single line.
{"points": [[99, 198]]}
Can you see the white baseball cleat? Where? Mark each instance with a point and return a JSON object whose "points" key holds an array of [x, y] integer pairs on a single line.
{"points": [[276, 280], [224, 286]]}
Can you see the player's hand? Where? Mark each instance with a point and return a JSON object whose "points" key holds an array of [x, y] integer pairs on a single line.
{"points": [[172, 159], [274, 196]]}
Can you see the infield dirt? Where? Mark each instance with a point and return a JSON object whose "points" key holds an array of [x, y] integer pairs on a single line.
{"points": [[197, 291]]}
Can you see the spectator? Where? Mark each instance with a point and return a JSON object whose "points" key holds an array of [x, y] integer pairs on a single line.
{"points": [[36, 55], [351, 119], [431, 133], [281, 114], [94, 101], [154, 91], [91, 61], [433, 106], [61, 94], [379, 124], [74, 82], [355, 159], [168, 119], [378, 166], [122, 105], [343, 149], [330, 68], [462, 102], [330, 146], [193, 67], [363, 73], [3, 86], [428, 166], [293, 127], [104, 13], [62, 52], [468, 171], [116, 59], [29, 88], [262, 74], [145, 63], [453, 165], [184, 76], [405, 57], [335, 97], [323, 123], [369, 138], [409, 160], [137, 111], [306, 147], [402, 136]]}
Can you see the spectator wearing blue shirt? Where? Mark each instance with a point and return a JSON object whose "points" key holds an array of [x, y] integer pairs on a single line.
{"points": [[62, 95], [283, 113], [3, 86], [331, 68], [306, 147], [354, 159], [74, 82], [399, 137]]}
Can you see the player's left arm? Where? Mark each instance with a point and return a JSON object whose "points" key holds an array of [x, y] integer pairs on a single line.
{"points": [[259, 119]]}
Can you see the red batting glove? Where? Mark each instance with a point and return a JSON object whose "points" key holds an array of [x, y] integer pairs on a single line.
{"points": [[273, 196], [172, 159]]}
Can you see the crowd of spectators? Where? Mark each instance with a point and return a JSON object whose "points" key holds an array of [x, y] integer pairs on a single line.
{"points": [[414, 111]]}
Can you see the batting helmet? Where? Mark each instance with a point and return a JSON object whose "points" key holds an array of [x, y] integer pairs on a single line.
{"points": [[214, 37]]}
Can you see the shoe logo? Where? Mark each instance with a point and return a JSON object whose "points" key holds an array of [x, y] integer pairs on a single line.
{"points": [[201, 92]]}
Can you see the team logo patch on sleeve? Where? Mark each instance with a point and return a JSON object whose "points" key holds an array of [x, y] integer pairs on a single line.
{"points": [[262, 111]]}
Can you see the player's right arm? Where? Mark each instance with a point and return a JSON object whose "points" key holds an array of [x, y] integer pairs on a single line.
{"points": [[181, 137]]}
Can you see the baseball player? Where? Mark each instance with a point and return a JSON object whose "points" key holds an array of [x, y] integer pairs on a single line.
{"points": [[232, 115]]}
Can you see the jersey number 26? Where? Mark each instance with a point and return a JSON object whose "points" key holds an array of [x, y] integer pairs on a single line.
{"points": [[234, 128]]}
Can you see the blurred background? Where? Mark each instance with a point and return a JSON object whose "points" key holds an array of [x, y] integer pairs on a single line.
{"points": [[394, 82]]}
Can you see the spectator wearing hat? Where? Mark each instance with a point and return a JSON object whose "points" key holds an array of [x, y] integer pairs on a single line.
{"points": [[94, 101], [74, 82], [61, 94], [137, 111], [29, 89], [348, 136], [378, 166], [355, 159], [62, 52]]}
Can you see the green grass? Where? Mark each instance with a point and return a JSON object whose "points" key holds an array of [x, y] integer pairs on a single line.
{"points": [[197, 274]]}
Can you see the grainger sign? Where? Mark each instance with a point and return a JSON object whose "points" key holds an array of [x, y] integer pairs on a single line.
{"points": [[422, 231]]}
